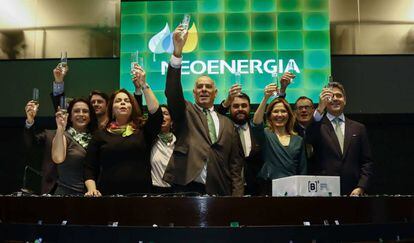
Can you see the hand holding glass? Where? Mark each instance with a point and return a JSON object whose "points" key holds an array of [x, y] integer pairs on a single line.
{"points": [[185, 23], [275, 80], [329, 87], [63, 65], [136, 59], [290, 69], [237, 80], [35, 98], [63, 105]]}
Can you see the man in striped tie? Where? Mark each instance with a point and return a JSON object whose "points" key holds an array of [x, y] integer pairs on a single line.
{"points": [[340, 144], [207, 157]]}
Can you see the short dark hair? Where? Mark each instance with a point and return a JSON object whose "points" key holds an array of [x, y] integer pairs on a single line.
{"points": [[303, 98], [337, 85], [100, 93], [92, 116], [165, 106], [244, 96]]}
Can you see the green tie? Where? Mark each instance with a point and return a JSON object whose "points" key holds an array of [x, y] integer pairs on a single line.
{"points": [[338, 132], [211, 127]]}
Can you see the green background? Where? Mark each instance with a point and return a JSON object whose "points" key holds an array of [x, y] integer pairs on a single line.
{"points": [[233, 29]]}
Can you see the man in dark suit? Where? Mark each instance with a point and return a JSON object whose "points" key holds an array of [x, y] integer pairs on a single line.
{"points": [[35, 136], [207, 157], [239, 106], [340, 144], [304, 109]]}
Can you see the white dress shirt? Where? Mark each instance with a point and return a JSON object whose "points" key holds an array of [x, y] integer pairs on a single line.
{"points": [[317, 117], [160, 156], [175, 62], [244, 130], [341, 123]]}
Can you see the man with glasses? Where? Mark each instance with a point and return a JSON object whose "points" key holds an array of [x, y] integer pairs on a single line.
{"points": [[304, 110]]}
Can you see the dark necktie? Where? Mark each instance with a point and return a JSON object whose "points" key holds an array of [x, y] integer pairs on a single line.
{"points": [[243, 141]]}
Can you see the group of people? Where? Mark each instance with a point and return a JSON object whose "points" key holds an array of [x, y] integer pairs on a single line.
{"points": [[106, 145]]}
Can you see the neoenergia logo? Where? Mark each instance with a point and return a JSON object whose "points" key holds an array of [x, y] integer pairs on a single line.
{"points": [[162, 42]]}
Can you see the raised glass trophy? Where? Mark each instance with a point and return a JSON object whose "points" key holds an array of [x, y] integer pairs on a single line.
{"points": [[63, 62], [185, 23], [35, 97]]}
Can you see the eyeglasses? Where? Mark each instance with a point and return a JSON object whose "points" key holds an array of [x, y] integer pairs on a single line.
{"points": [[306, 107]]}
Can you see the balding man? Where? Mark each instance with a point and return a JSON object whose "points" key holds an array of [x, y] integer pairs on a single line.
{"points": [[207, 157]]}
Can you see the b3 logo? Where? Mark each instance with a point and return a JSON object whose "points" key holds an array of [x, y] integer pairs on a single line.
{"points": [[313, 186]]}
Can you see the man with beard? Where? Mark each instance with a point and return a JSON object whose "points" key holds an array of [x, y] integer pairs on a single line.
{"points": [[238, 104], [207, 156], [340, 144], [239, 107]]}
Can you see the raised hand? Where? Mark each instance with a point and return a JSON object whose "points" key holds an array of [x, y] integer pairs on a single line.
{"points": [[61, 120], [234, 91], [324, 98], [179, 38], [270, 89], [139, 76], [285, 80], [31, 111], [59, 74]]}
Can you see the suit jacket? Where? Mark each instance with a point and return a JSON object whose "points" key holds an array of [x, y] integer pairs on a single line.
{"points": [[193, 147], [300, 130], [354, 165], [44, 138], [310, 155], [253, 162]]}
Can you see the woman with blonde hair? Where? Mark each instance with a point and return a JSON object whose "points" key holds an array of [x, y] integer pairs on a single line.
{"points": [[283, 150]]}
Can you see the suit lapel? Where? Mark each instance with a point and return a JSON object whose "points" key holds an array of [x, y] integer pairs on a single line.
{"points": [[221, 126], [203, 122], [348, 135], [332, 135], [252, 141]]}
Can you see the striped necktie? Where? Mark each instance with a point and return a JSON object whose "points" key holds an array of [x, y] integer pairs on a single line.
{"points": [[211, 127], [338, 132]]}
